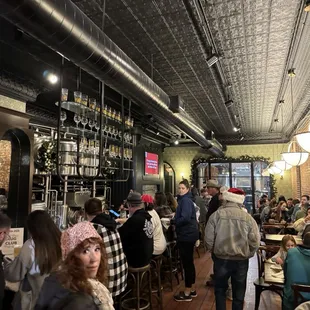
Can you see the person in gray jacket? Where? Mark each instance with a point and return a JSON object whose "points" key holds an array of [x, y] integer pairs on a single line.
{"points": [[233, 237], [38, 256]]}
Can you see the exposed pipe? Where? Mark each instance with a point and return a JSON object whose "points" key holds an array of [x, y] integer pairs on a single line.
{"points": [[63, 27]]}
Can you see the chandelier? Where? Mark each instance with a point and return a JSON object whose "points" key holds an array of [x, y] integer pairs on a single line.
{"points": [[272, 169]]}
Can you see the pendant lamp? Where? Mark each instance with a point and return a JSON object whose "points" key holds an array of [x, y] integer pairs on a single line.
{"points": [[282, 164], [303, 140], [272, 169], [294, 156]]}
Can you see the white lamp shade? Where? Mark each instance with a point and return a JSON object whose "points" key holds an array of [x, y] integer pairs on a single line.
{"points": [[273, 169], [303, 140], [295, 158], [282, 164]]}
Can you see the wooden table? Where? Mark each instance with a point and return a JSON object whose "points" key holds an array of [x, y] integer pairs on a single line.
{"points": [[276, 239], [273, 273]]}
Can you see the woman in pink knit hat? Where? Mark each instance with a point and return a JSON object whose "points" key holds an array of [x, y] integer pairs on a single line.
{"points": [[79, 281]]}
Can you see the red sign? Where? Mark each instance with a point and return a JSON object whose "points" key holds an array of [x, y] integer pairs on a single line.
{"points": [[151, 163]]}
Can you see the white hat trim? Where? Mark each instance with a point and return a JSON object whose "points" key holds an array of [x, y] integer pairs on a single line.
{"points": [[233, 197]]}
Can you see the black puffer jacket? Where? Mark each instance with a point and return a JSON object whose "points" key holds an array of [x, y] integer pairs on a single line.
{"points": [[54, 296]]}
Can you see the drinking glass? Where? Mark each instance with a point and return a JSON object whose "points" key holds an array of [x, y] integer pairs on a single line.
{"points": [[91, 124], [97, 126], [84, 121], [64, 94], [84, 99], [63, 117], [92, 103], [77, 119], [77, 97]]}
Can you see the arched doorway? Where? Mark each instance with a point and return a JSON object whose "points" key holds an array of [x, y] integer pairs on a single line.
{"points": [[19, 187], [169, 175]]}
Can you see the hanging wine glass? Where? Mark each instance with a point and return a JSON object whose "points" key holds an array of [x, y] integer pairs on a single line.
{"points": [[84, 121], [91, 124], [63, 117], [97, 126], [115, 132], [77, 119]]}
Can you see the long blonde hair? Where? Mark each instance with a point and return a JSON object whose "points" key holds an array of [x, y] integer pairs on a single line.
{"points": [[284, 241]]}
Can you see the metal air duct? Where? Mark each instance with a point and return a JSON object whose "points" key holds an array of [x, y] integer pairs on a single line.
{"points": [[62, 26]]}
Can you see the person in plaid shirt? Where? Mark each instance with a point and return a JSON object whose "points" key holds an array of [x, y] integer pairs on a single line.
{"points": [[117, 262]]}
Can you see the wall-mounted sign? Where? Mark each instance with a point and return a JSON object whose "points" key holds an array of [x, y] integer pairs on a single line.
{"points": [[14, 240]]}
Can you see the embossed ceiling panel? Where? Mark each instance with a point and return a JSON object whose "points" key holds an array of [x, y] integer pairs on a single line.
{"points": [[252, 36]]}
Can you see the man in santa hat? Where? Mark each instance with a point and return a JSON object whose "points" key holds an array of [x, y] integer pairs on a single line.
{"points": [[233, 237]]}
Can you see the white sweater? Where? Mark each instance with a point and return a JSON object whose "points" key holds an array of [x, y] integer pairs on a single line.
{"points": [[160, 243]]}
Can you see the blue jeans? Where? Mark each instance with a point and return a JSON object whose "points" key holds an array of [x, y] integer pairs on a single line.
{"points": [[237, 270]]}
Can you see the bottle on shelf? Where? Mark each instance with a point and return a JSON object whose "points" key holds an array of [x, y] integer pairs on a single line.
{"points": [[109, 112], [118, 116], [105, 110]]}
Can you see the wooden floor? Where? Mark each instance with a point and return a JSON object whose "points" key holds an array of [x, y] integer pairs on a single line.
{"points": [[205, 298]]}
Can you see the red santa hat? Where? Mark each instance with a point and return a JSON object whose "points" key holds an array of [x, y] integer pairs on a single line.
{"points": [[147, 198], [233, 194]]}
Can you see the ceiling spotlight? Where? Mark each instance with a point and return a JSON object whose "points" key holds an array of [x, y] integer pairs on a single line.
{"points": [[235, 129], [307, 6], [176, 142], [241, 138], [291, 72], [50, 77], [213, 59]]}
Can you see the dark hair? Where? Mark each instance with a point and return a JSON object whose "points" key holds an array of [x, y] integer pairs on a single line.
{"points": [[93, 206], [306, 239], [46, 238], [307, 196], [290, 199], [5, 221], [281, 198], [2, 191], [160, 199], [148, 206], [263, 201], [264, 196], [296, 201], [72, 274], [171, 201], [185, 183]]}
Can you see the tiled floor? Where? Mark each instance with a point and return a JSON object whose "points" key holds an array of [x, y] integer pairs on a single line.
{"points": [[206, 300]]}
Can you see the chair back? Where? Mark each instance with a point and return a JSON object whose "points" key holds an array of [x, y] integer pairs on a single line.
{"points": [[298, 290], [275, 229], [263, 253]]}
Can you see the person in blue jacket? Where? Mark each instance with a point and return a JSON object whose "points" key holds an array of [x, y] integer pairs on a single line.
{"points": [[296, 271], [187, 234]]}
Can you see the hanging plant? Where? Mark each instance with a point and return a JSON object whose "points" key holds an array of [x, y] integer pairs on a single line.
{"points": [[46, 157], [243, 158]]}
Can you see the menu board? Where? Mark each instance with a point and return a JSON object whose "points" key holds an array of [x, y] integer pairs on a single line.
{"points": [[151, 163], [14, 239]]}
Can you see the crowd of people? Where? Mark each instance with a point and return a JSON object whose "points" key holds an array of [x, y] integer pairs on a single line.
{"points": [[86, 266]]}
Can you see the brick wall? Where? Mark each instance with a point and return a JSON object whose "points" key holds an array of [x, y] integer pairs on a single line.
{"points": [[5, 164]]}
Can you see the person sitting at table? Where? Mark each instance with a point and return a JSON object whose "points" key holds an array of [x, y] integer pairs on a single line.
{"points": [[160, 243], [265, 210], [302, 225], [296, 270], [161, 205], [288, 242], [303, 206]]}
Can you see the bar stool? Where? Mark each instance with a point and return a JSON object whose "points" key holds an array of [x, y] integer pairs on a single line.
{"points": [[156, 264], [137, 302]]}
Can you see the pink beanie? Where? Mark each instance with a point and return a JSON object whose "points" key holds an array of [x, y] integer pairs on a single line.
{"points": [[75, 235]]}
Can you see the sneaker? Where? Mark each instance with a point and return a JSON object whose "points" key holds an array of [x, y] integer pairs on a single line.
{"points": [[229, 294], [193, 294], [182, 297]]}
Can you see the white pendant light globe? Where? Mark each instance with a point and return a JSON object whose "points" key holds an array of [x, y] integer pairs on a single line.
{"points": [[303, 140], [282, 164], [272, 169], [295, 157]]}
